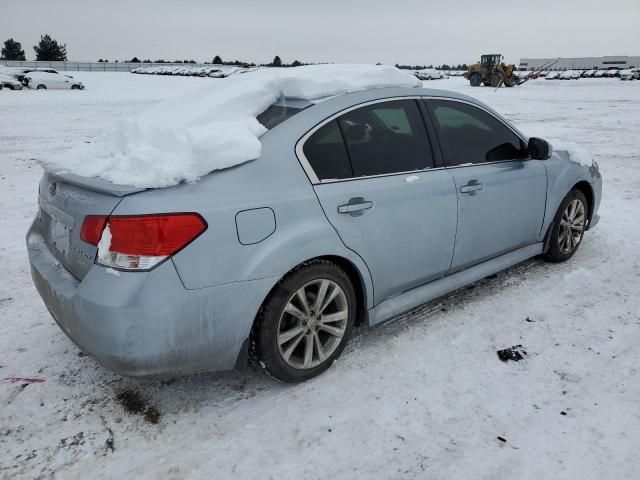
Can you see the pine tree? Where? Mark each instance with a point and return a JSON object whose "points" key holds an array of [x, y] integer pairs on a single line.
{"points": [[276, 62], [296, 63], [50, 50], [12, 50], [217, 60]]}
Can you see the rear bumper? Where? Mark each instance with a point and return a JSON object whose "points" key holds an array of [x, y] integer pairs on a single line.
{"points": [[141, 324]]}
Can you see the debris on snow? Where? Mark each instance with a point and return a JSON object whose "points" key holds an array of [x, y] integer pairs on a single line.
{"points": [[515, 353], [23, 380], [134, 403], [109, 442]]}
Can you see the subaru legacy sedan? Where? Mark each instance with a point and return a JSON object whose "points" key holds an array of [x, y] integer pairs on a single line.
{"points": [[360, 207]]}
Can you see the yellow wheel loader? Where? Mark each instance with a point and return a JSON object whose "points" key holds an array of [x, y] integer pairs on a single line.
{"points": [[492, 72]]}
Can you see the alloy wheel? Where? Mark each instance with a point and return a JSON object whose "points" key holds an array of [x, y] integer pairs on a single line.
{"points": [[572, 226], [312, 324]]}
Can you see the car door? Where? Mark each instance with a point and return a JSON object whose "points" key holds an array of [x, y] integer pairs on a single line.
{"points": [[373, 172], [61, 81], [501, 192]]}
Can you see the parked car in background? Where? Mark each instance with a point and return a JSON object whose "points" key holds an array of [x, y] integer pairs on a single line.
{"points": [[38, 80], [630, 74], [600, 74], [9, 82], [612, 73], [552, 75], [569, 75], [19, 72], [588, 73], [429, 74], [377, 201], [213, 71]]}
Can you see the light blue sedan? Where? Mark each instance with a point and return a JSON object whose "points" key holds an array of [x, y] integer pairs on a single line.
{"points": [[361, 207]]}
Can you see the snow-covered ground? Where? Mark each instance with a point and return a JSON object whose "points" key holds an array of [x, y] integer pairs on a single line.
{"points": [[422, 397]]}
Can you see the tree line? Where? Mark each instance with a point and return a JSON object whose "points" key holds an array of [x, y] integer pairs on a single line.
{"points": [[49, 49]]}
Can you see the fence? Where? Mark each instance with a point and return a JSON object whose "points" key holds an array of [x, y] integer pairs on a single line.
{"points": [[90, 66]]}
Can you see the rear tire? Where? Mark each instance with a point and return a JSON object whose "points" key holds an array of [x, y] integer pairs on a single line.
{"points": [[41, 87], [568, 227], [475, 80], [305, 323]]}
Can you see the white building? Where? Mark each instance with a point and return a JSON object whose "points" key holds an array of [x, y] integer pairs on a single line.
{"points": [[582, 63]]}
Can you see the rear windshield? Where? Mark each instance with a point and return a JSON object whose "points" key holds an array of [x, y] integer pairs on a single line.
{"points": [[276, 114]]}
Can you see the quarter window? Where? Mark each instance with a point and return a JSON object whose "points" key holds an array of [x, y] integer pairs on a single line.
{"points": [[474, 136], [275, 115]]}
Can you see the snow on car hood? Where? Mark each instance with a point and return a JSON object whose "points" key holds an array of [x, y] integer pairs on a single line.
{"points": [[212, 128], [575, 152]]}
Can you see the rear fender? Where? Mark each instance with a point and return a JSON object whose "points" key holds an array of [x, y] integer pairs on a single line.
{"points": [[296, 247]]}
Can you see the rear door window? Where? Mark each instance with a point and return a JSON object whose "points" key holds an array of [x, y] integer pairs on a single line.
{"points": [[385, 138], [472, 135]]}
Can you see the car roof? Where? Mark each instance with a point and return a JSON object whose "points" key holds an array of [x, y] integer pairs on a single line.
{"points": [[321, 109], [379, 93]]}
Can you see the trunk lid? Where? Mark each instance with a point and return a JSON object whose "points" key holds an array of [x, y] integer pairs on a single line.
{"points": [[63, 202]]}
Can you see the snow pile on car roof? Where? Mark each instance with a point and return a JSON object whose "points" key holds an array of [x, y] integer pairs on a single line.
{"points": [[212, 128]]}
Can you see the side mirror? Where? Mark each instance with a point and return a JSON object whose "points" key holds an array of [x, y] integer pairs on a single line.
{"points": [[539, 149]]}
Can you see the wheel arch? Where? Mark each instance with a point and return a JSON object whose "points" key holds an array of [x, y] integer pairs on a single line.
{"points": [[352, 271], [357, 279], [587, 190]]}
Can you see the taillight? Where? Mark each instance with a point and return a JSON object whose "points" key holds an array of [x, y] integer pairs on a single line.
{"points": [[92, 228], [140, 242]]}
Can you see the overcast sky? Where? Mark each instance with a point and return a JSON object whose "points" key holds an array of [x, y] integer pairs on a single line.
{"points": [[360, 31]]}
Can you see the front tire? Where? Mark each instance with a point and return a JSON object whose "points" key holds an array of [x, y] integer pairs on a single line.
{"points": [[568, 227], [475, 80], [305, 323], [41, 87]]}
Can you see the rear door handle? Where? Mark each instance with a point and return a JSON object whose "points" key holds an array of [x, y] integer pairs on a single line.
{"points": [[355, 207], [471, 187]]}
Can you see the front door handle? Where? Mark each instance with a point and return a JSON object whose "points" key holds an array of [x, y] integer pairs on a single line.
{"points": [[472, 187], [355, 207]]}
